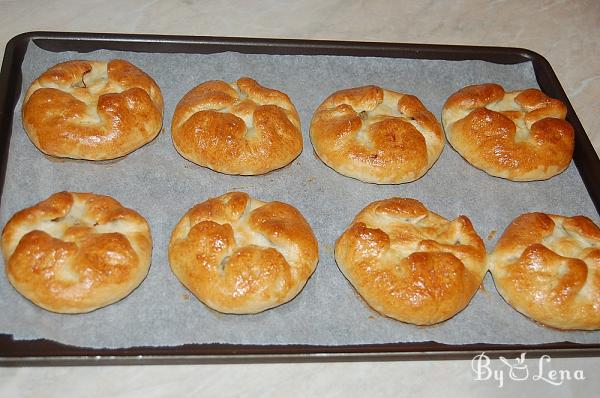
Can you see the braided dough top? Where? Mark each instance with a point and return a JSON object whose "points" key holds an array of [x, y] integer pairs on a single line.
{"points": [[242, 128], [521, 135], [92, 110], [240, 255], [409, 263], [376, 135], [548, 267], [75, 252]]}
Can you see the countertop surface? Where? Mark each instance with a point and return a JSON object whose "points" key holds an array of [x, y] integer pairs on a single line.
{"points": [[566, 33]]}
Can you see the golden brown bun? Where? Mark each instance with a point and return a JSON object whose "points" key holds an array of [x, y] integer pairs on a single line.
{"points": [[92, 110], [242, 128], [239, 255], [548, 268], [75, 252], [409, 263], [520, 136], [376, 135]]}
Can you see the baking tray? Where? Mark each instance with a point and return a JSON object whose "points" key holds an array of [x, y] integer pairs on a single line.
{"points": [[45, 352]]}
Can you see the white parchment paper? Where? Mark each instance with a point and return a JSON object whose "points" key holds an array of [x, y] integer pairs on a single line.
{"points": [[162, 186]]}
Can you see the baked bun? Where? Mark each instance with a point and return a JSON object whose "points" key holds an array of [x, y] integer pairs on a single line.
{"points": [[239, 255], [376, 135], [76, 252], [92, 110], [242, 128], [548, 268], [520, 136], [409, 263]]}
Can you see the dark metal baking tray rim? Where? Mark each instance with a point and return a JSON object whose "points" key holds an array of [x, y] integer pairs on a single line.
{"points": [[45, 352]]}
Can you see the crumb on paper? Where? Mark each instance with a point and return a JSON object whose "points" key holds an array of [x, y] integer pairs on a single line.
{"points": [[483, 290], [491, 235], [185, 297]]}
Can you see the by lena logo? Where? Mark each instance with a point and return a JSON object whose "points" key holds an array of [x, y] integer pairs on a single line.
{"points": [[518, 370]]}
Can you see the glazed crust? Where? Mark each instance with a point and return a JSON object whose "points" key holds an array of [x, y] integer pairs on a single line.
{"points": [[92, 110], [376, 135], [76, 252], [548, 268], [239, 255], [520, 136], [409, 263], [242, 128]]}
